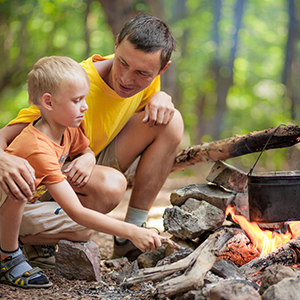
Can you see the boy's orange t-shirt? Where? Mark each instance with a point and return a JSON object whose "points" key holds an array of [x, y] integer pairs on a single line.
{"points": [[45, 156]]}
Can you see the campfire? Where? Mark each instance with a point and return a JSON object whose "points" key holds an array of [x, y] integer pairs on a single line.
{"points": [[217, 247], [265, 241]]}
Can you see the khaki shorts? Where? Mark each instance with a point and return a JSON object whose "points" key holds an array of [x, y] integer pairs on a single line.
{"points": [[108, 157], [46, 216]]}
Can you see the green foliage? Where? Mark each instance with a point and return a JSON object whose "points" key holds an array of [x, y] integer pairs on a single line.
{"points": [[256, 98], [32, 29]]}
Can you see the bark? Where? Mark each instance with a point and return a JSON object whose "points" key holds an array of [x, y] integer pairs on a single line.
{"points": [[285, 136]]}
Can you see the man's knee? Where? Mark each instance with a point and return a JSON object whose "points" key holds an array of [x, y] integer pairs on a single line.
{"points": [[175, 128]]}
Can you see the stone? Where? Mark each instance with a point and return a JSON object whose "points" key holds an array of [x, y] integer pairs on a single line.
{"points": [[232, 290], [185, 225], [150, 259], [288, 288], [78, 260], [275, 274]]}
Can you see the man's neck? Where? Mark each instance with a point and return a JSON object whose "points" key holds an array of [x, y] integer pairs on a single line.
{"points": [[104, 70]]}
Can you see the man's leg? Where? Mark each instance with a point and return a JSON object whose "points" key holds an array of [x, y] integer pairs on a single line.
{"points": [[157, 146]]}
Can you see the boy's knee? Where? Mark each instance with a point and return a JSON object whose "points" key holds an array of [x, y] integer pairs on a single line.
{"points": [[82, 236]]}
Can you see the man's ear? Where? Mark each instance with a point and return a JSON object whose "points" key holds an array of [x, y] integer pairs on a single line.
{"points": [[46, 101], [116, 43], [165, 67]]}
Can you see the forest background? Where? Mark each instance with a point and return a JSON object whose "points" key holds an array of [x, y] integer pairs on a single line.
{"points": [[236, 68]]}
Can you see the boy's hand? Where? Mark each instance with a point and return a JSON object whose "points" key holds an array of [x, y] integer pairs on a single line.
{"points": [[79, 170], [146, 239]]}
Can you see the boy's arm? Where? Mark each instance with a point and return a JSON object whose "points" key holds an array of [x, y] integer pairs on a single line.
{"points": [[79, 170], [64, 195], [16, 175]]}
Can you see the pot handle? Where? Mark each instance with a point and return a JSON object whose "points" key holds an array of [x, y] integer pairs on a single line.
{"points": [[251, 170]]}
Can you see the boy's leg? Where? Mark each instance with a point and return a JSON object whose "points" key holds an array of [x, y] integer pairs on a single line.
{"points": [[44, 223], [15, 269]]}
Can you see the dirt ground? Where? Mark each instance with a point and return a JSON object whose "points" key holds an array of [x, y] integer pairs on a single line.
{"points": [[108, 289]]}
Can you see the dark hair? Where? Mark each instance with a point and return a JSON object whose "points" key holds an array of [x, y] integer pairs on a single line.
{"points": [[149, 34]]}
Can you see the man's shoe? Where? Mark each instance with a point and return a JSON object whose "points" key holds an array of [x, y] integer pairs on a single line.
{"points": [[42, 256], [125, 249]]}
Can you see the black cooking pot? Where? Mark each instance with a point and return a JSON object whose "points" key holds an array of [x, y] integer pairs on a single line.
{"points": [[273, 196]]}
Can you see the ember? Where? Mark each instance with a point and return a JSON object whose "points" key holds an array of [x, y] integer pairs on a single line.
{"points": [[265, 241]]}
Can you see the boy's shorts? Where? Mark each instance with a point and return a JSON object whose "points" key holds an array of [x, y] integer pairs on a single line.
{"points": [[44, 217]]}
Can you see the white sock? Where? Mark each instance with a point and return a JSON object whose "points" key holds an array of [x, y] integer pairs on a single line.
{"points": [[136, 216]]}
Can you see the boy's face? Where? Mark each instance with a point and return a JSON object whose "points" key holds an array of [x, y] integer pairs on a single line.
{"points": [[132, 70], [69, 103]]}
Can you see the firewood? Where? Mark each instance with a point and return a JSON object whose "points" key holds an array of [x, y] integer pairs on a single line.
{"points": [[238, 145], [285, 136], [196, 265], [288, 255], [228, 177]]}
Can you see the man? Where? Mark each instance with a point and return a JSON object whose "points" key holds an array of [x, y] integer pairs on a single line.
{"points": [[128, 117]]}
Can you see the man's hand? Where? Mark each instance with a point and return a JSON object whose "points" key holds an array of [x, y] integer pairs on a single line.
{"points": [[159, 110], [16, 177], [79, 170]]}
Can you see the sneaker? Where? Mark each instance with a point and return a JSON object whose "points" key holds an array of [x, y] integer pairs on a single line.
{"points": [[125, 249], [42, 256]]}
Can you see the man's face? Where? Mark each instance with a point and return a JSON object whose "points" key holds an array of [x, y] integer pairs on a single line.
{"points": [[133, 70]]}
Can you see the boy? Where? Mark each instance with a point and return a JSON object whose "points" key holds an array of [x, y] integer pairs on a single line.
{"points": [[58, 87]]}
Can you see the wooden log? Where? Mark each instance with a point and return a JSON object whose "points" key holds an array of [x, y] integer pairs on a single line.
{"points": [[285, 136], [288, 254], [228, 177], [238, 145], [197, 264]]}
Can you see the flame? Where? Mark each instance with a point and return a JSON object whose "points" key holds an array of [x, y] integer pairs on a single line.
{"points": [[265, 241]]}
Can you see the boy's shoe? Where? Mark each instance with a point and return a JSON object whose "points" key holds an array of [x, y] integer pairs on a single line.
{"points": [[125, 249], [42, 256], [34, 278]]}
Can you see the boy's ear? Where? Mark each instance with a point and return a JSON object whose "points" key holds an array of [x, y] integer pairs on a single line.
{"points": [[46, 101]]}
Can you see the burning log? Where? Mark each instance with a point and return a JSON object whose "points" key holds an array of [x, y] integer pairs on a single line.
{"points": [[196, 265], [285, 136], [288, 255]]}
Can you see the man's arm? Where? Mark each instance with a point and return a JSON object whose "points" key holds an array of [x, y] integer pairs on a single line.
{"points": [[16, 175]]}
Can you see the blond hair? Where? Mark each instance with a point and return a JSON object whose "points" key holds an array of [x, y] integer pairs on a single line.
{"points": [[50, 74]]}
